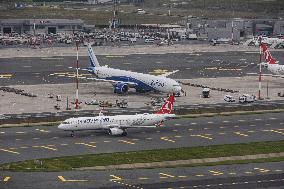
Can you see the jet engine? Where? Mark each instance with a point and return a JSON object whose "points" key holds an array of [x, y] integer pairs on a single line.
{"points": [[120, 88], [116, 131]]}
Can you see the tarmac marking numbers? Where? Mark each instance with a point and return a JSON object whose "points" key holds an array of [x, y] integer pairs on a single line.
{"points": [[89, 145], [125, 141], [167, 139], [240, 134], [202, 136], [10, 151], [62, 179]]}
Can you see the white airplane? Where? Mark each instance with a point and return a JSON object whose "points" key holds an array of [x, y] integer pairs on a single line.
{"points": [[117, 125], [270, 63], [122, 80]]}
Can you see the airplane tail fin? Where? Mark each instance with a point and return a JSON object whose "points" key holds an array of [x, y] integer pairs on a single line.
{"points": [[93, 59], [267, 56], [168, 106]]}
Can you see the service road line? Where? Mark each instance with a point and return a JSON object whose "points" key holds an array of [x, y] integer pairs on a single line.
{"points": [[166, 139], [240, 134], [167, 175], [125, 141], [202, 136]]}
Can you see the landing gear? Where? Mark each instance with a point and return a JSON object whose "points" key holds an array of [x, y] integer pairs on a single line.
{"points": [[72, 134], [124, 133]]}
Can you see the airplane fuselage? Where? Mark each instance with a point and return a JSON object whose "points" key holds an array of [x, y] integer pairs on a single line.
{"points": [[144, 82], [106, 122], [276, 69]]}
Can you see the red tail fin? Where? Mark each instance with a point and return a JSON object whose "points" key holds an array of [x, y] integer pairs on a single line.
{"points": [[168, 106], [267, 56]]}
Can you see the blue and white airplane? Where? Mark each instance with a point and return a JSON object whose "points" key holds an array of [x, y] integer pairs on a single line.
{"points": [[122, 80]]}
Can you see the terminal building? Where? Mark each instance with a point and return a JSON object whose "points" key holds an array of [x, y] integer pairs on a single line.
{"points": [[47, 26]]}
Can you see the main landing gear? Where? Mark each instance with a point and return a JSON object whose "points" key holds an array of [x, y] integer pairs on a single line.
{"points": [[72, 134]]}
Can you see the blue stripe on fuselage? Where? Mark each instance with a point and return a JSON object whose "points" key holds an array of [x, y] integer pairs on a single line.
{"points": [[140, 84]]}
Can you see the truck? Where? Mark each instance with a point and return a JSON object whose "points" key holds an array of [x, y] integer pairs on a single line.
{"points": [[247, 98]]}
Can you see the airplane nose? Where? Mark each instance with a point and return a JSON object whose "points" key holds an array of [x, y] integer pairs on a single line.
{"points": [[61, 126]]}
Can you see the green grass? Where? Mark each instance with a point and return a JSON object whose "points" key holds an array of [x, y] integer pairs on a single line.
{"points": [[70, 162]]}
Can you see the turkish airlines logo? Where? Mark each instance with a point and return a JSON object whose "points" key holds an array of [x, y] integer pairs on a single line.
{"points": [[167, 107]]}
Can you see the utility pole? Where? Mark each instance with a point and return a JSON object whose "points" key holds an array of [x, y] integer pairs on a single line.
{"points": [[259, 77], [77, 77]]}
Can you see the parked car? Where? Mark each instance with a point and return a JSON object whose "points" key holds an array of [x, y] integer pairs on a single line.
{"points": [[247, 98], [229, 98]]}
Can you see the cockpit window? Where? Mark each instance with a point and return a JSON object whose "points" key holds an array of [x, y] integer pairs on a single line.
{"points": [[65, 122], [176, 85]]}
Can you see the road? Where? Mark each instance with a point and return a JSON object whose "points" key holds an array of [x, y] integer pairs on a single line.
{"points": [[246, 176], [194, 65], [23, 143]]}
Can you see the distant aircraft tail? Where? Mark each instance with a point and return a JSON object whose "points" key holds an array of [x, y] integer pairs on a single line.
{"points": [[93, 59], [168, 106], [267, 56]]}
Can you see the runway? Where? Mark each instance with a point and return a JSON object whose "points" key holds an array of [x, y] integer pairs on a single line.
{"points": [[54, 70], [23, 143], [254, 175]]}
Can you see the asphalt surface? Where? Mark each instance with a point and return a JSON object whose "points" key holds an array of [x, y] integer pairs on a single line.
{"points": [[23, 143], [205, 64], [246, 176]]}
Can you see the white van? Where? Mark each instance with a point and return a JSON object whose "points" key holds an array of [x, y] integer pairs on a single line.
{"points": [[149, 40]]}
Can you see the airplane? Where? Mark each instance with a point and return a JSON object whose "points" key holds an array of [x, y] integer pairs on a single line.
{"points": [[117, 125], [271, 64], [122, 80]]}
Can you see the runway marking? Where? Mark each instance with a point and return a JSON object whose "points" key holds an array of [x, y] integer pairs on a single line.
{"points": [[177, 136], [64, 144], [89, 145], [114, 56], [166, 139], [115, 178], [252, 125], [5, 76], [257, 119], [261, 170], [106, 141], [6, 179], [272, 118], [2, 132], [18, 139], [215, 173], [24, 147], [236, 126], [182, 176], [210, 122], [42, 130], [158, 72], [193, 123], [232, 173], [166, 175], [199, 175], [226, 121], [267, 124], [35, 138], [221, 133], [55, 137], [239, 133], [221, 127], [143, 178], [12, 148], [177, 124], [248, 172], [149, 138], [279, 132], [250, 131], [202, 136], [205, 128], [21, 132], [175, 130], [278, 170], [13, 152], [62, 179], [45, 147], [125, 141], [241, 120]]}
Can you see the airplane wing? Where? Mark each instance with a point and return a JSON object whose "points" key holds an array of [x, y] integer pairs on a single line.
{"points": [[114, 81], [169, 73]]}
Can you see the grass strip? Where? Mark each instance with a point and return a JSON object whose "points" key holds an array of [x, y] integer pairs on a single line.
{"points": [[147, 156]]}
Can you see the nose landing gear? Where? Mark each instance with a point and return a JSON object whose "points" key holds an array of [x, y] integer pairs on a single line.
{"points": [[72, 134]]}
